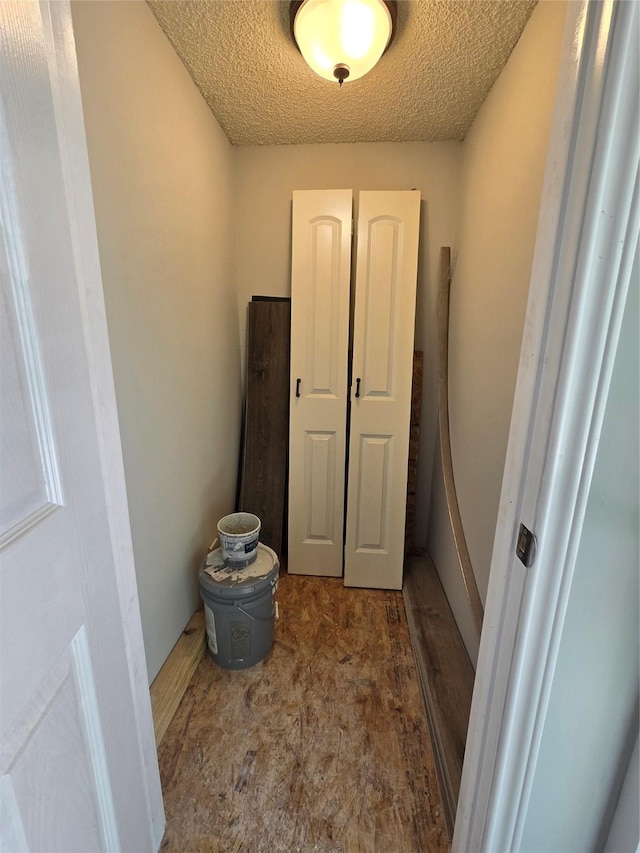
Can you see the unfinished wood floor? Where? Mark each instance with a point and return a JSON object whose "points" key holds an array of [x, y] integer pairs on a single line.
{"points": [[322, 747]]}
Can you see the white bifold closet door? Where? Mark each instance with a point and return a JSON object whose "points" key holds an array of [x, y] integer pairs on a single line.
{"points": [[385, 299], [320, 283]]}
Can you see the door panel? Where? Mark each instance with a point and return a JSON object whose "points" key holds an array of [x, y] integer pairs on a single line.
{"points": [[28, 449], [386, 274], [323, 285], [372, 532], [59, 732], [380, 292], [76, 771], [321, 267], [320, 462]]}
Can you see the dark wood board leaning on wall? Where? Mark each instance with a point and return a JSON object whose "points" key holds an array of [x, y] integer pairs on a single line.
{"points": [[266, 432], [414, 440]]}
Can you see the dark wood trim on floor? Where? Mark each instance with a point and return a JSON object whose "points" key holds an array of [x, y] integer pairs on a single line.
{"points": [[445, 674]]}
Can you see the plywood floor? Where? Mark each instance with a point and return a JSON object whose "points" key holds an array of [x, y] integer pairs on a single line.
{"points": [[322, 747]]}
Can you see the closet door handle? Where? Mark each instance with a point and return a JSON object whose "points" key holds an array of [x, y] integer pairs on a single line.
{"points": [[358, 387], [298, 381]]}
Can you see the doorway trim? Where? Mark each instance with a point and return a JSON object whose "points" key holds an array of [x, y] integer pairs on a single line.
{"points": [[65, 84], [586, 241]]}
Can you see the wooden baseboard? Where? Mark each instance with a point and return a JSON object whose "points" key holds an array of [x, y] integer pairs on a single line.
{"points": [[170, 683], [445, 675]]}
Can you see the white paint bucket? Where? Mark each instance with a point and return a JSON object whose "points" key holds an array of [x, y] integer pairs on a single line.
{"points": [[239, 534]]}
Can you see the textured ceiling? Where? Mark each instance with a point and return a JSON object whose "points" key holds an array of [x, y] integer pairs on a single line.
{"points": [[444, 58]]}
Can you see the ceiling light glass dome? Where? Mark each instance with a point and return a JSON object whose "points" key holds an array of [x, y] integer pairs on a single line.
{"points": [[342, 39]]}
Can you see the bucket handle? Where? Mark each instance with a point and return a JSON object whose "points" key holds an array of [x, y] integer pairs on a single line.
{"points": [[255, 618]]}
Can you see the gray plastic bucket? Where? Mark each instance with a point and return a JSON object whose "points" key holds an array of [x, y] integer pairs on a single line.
{"points": [[239, 533], [239, 606]]}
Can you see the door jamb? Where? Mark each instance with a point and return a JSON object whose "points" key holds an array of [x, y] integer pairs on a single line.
{"points": [[587, 237]]}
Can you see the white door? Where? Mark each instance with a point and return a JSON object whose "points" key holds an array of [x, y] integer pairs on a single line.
{"points": [[385, 300], [78, 769], [320, 278]]}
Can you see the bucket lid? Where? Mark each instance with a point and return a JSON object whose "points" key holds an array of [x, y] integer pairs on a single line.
{"points": [[220, 579]]}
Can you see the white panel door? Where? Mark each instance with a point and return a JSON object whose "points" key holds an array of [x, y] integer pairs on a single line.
{"points": [[320, 283], [78, 769], [385, 299]]}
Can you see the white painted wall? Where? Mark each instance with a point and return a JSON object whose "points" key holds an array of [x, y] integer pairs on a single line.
{"points": [[162, 181], [625, 828], [265, 178], [503, 162], [591, 726]]}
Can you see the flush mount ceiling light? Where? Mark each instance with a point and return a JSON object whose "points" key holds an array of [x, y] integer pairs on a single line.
{"points": [[342, 39]]}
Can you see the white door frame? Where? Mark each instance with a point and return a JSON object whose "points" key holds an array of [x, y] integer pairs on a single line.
{"points": [[587, 236], [63, 74]]}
